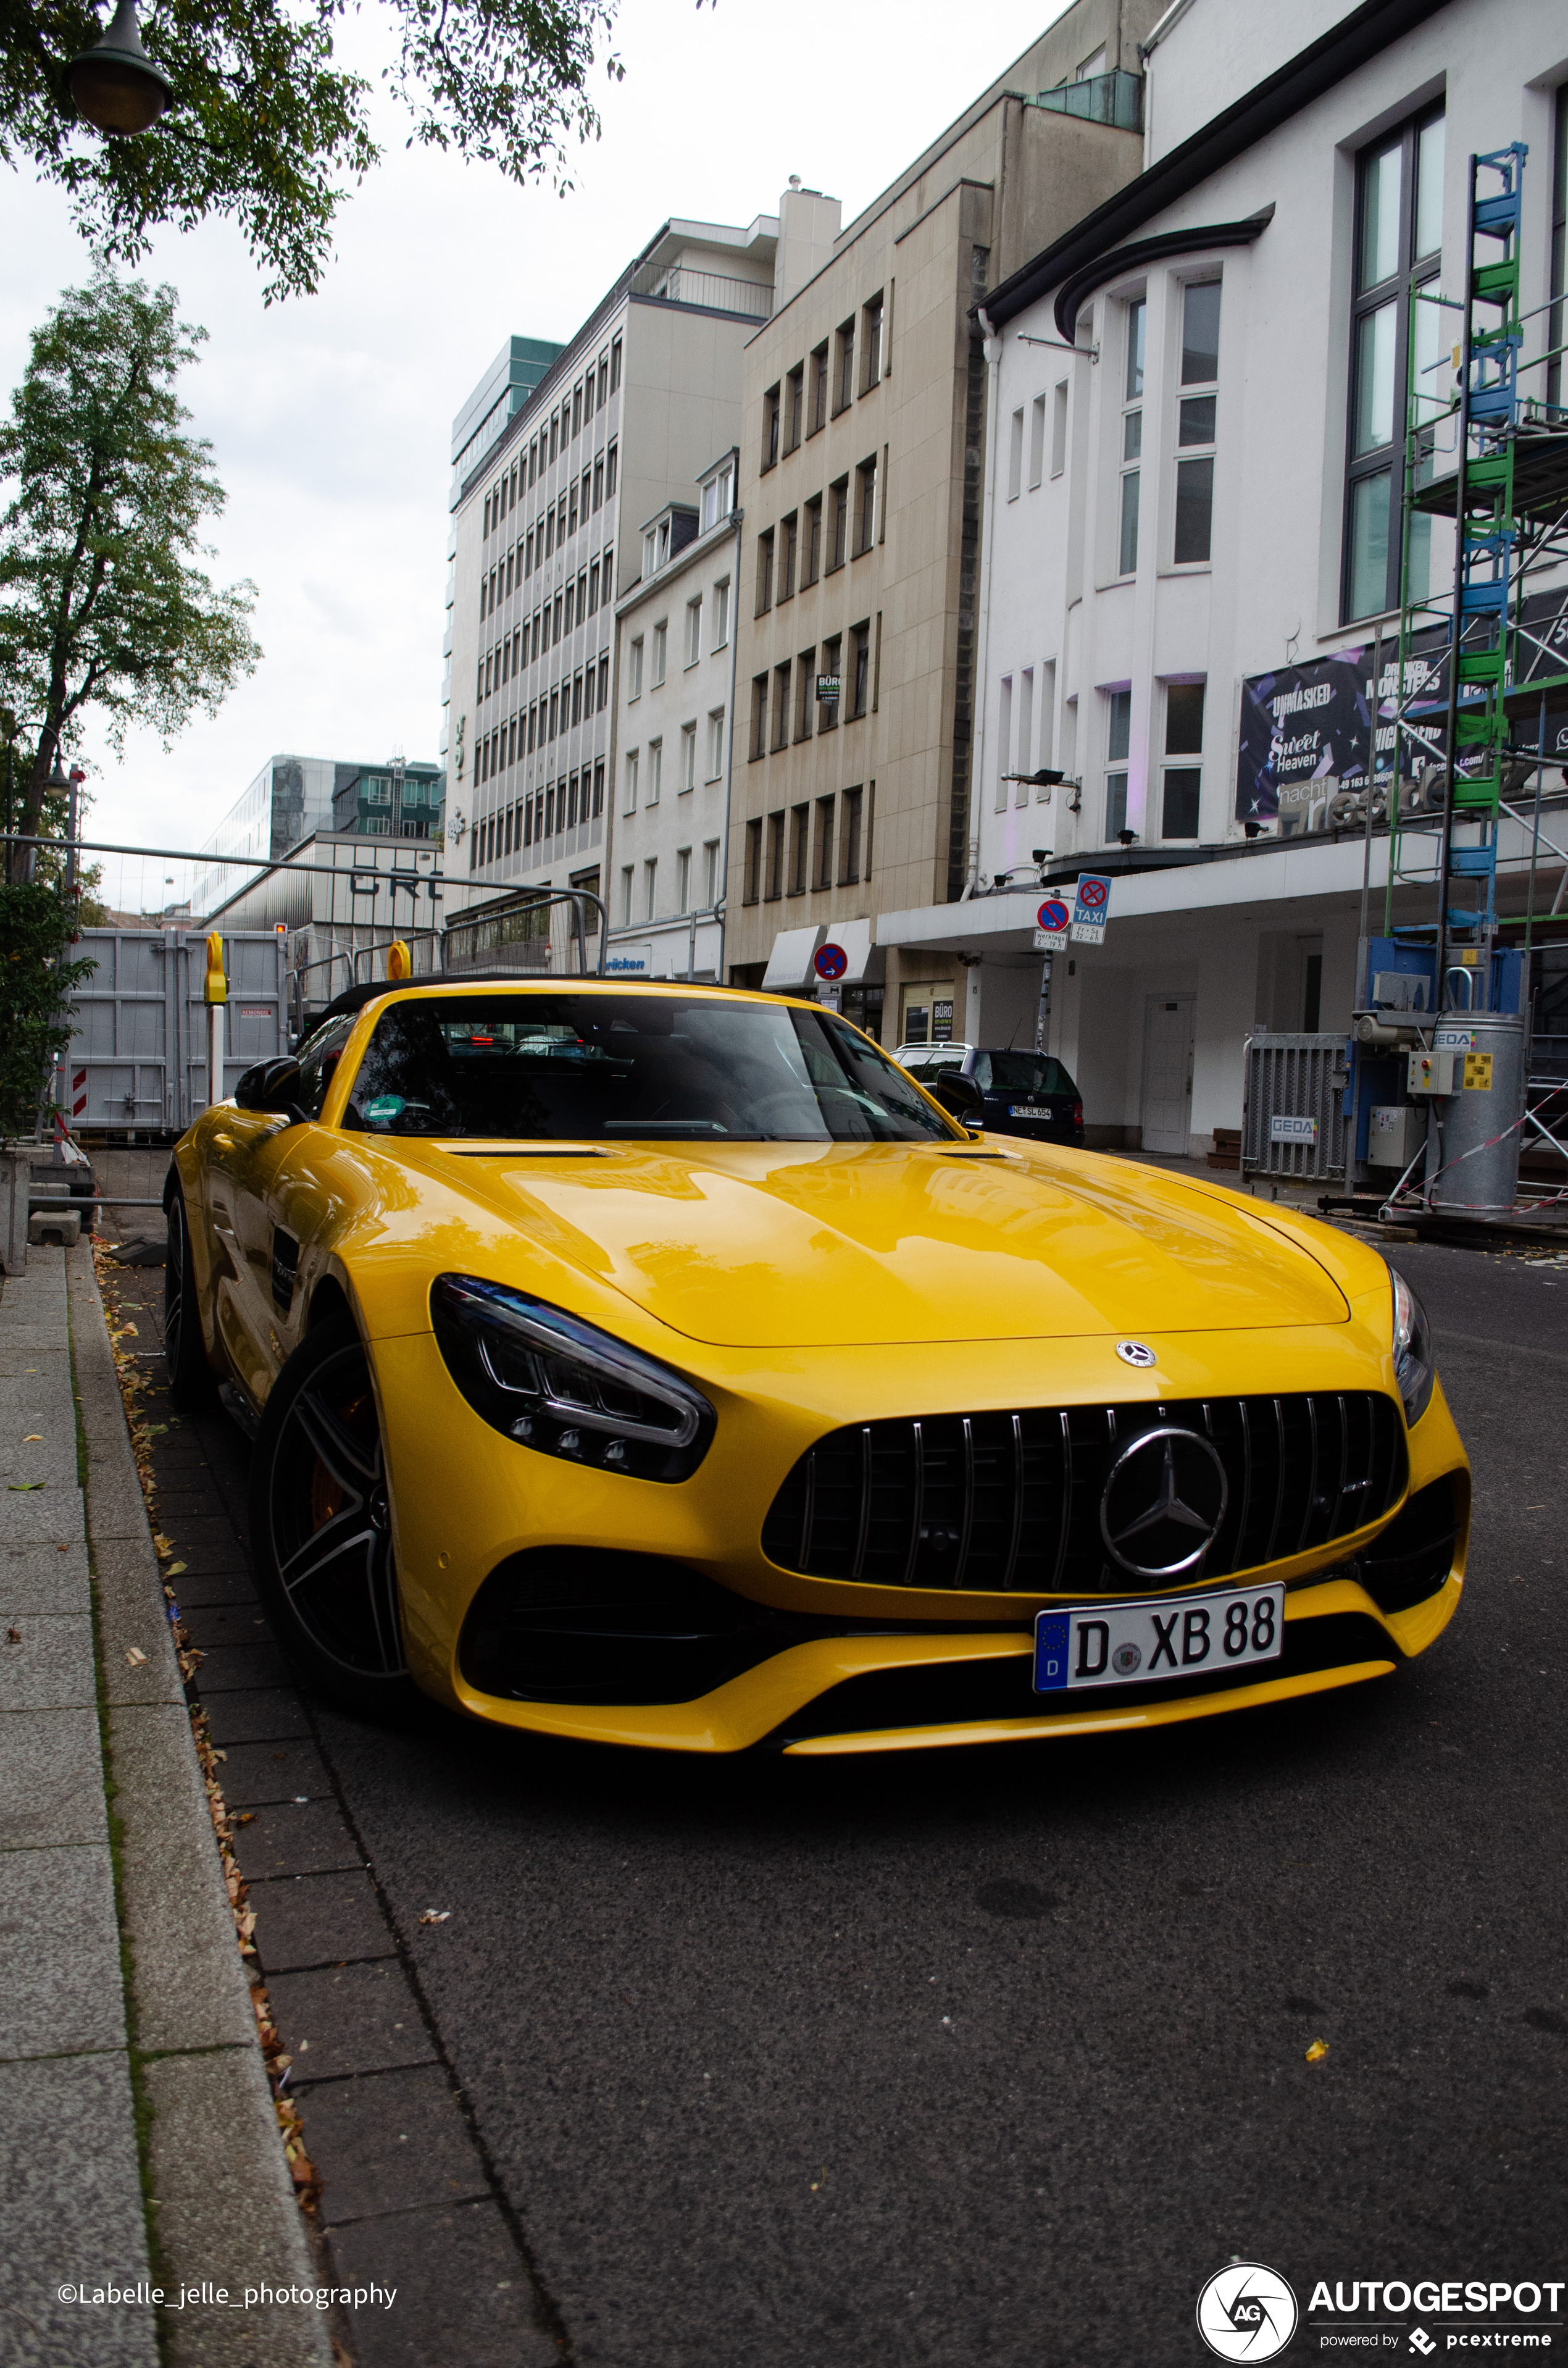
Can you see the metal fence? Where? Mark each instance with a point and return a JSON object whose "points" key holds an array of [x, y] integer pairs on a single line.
{"points": [[137, 1051], [1293, 1120]]}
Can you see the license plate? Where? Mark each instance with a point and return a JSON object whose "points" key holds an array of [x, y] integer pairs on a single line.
{"points": [[1029, 1110], [1158, 1637]]}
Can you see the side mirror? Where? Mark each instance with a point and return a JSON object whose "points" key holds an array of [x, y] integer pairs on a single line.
{"points": [[272, 1085], [960, 1097]]}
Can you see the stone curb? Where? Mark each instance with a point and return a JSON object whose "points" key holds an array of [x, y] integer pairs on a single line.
{"points": [[223, 2201]]}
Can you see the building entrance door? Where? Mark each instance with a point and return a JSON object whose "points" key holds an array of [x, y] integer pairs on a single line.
{"points": [[1167, 1073]]}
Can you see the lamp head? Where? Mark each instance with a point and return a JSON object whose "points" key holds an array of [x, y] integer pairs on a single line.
{"points": [[115, 84]]}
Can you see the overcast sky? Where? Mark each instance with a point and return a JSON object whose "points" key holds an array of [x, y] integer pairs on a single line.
{"points": [[330, 415]]}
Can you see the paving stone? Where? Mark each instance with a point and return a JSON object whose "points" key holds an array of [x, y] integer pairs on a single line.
{"points": [[192, 1989], [203, 1537], [42, 1515], [212, 1624], [295, 1838], [73, 2192], [51, 1777], [43, 1578], [198, 1587], [272, 1714], [463, 2292], [47, 1664], [390, 2142], [244, 1669], [257, 1772], [60, 1974], [318, 1919], [345, 2019]]}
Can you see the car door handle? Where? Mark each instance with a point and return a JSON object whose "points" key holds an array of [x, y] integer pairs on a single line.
{"points": [[223, 1142]]}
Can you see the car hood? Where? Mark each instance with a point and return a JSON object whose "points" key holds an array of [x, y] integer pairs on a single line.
{"points": [[788, 1246]]}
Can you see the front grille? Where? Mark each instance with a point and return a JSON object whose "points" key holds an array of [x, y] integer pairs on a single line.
{"points": [[997, 1502]]}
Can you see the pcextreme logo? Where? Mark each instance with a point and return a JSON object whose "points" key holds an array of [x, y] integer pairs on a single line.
{"points": [[1246, 2312]]}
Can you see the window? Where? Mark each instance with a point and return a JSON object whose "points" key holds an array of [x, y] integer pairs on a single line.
{"points": [[604, 681], [799, 848], [599, 788], [872, 342], [593, 587], [655, 770], [818, 390], [598, 481], [822, 876], [1398, 235], [635, 671], [649, 887], [711, 872], [615, 366], [1016, 457], [805, 694], [578, 409], [660, 633], [782, 704], [611, 460], [770, 428], [554, 432], [605, 579], [1037, 441], [794, 406], [860, 661], [844, 377], [789, 529], [716, 744], [589, 397], [751, 877], [828, 683], [1132, 439], [849, 839], [571, 597], [1195, 409], [720, 614], [1184, 737], [572, 520], [774, 887], [694, 630], [683, 879], [628, 873], [604, 379], [379, 789], [1021, 762], [865, 506], [759, 714], [765, 572], [1559, 250], [810, 564], [1119, 740], [1004, 740], [838, 524], [687, 761], [629, 805]]}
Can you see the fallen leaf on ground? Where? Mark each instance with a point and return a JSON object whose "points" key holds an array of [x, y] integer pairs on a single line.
{"points": [[13, 1635], [136, 1656], [20, 1487], [1317, 2051], [33, 1438], [174, 1569], [435, 1915]]}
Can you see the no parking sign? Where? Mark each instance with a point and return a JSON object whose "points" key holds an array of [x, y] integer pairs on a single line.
{"points": [[831, 962], [1050, 927], [1091, 908]]}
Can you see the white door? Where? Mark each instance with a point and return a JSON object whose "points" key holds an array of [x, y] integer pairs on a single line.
{"points": [[1167, 1073]]}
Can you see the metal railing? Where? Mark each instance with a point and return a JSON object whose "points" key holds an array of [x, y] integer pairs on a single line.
{"points": [[715, 290]]}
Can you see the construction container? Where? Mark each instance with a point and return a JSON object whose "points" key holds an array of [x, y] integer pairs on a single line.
{"points": [[1472, 1155], [1293, 1120], [138, 1052]]}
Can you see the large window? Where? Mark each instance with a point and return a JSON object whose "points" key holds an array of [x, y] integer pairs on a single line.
{"points": [[1196, 407], [1183, 740], [1119, 739], [1399, 238], [1132, 439]]}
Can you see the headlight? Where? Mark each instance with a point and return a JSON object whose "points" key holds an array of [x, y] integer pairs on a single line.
{"points": [[1414, 1368], [554, 1383]]}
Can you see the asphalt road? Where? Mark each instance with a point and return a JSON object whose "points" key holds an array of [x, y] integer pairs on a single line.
{"points": [[970, 2059]]}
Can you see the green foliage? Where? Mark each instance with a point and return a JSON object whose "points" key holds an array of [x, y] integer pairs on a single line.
{"points": [[36, 983], [267, 130], [101, 603]]}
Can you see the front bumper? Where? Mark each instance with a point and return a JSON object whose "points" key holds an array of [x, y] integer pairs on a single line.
{"points": [[890, 1668]]}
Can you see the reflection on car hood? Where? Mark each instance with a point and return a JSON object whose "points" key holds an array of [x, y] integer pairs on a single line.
{"points": [[794, 1245]]}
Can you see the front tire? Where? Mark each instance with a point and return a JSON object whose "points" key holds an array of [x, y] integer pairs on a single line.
{"points": [[193, 1385], [321, 1527]]}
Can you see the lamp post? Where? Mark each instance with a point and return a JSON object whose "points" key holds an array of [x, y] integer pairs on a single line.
{"points": [[115, 84], [12, 727]]}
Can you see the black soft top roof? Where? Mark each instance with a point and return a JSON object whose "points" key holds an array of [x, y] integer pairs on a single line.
{"points": [[355, 999]]}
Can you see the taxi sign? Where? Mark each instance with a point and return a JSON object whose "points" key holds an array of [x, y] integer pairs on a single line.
{"points": [[830, 962], [1091, 908], [1051, 925]]}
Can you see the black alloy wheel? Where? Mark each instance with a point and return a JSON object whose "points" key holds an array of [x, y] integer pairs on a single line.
{"points": [[193, 1385], [321, 1526]]}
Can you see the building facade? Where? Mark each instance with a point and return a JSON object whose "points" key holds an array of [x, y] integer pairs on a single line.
{"points": [[862, 456], [675, 702], [1194, 548], [289, 798], [390, 801], [546, 532]]}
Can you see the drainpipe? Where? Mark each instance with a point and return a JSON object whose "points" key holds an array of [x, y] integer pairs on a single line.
{"points": [[983, 636]]}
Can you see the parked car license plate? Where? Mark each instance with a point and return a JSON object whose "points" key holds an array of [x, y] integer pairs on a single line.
{"points": [[1029, 1110], [1158, 1637]]}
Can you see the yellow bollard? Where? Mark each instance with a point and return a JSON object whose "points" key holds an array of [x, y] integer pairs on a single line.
{"points": [[217, 988], [400, 962], [215, 995]]}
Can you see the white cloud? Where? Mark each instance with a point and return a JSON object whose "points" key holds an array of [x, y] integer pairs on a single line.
{"points": [[330, 415]]}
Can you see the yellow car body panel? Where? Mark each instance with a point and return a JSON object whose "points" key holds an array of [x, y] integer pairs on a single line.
{"points": [[802, 1288]]}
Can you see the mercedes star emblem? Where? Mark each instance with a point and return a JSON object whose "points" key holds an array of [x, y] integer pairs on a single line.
{"points": [[1134, 1352], [1163, 1502]]}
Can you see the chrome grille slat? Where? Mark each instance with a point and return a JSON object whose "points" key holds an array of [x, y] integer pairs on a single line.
{"points": [[1001, 1502]]}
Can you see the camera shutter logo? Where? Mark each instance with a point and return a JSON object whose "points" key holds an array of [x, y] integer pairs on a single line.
{"points": [[1246, 2312]]}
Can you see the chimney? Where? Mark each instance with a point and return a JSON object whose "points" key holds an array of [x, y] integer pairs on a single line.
{"points": [[808, 224]]}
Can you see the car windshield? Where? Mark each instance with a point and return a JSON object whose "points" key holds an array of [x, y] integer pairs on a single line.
{"points": [[1020, 1073], [658, 1068]]}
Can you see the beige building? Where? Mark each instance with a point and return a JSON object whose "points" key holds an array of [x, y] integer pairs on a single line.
{"points": [[862, 456]]}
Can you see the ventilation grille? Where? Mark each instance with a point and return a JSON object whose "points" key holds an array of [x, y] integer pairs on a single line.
{"points": [[998, 1502]]}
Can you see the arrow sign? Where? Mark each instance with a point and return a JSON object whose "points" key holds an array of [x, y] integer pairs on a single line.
{"points": [[1091, 908]]}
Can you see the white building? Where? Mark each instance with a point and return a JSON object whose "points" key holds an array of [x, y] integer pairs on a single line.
{"points": [[546, 529], [1195, 463], [675, 684]]}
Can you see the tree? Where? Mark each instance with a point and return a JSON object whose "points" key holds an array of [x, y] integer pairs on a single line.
{"points": [[101, 604], [36, 926], [266, 129]]}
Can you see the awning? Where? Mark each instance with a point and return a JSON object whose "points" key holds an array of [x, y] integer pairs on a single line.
{"points": [[789, 969]]}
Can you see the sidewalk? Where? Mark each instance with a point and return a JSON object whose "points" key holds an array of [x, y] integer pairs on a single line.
{"points": [[140, 2151]]}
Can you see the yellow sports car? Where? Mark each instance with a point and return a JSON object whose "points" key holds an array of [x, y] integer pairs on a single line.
{"points": [[661, 1365]]}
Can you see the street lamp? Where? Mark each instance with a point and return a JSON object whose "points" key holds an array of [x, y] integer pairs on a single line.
{"points": [[115, 84]]}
